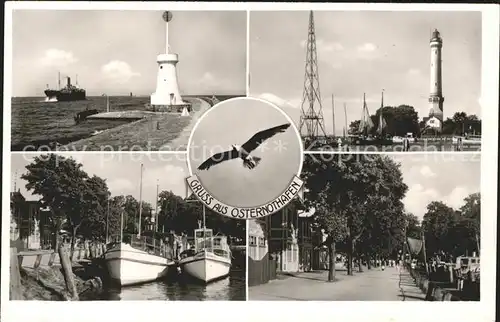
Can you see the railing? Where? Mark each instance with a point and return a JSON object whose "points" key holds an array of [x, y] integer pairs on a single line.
{"points": [[37, 258]]}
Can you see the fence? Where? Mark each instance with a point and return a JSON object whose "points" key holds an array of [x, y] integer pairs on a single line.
{"points": [[37, 258]]}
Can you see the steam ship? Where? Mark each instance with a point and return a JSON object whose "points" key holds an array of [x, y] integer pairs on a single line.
{"points": [[66, 94]]}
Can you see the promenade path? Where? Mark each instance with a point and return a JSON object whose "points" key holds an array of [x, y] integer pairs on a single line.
{"points": [[370, 285]]}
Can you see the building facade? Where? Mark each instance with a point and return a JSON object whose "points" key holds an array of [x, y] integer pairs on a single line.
{"points": [[27, 224], [282, 242]]}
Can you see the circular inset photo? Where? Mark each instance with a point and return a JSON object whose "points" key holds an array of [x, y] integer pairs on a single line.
{"points": [[245, 153]]}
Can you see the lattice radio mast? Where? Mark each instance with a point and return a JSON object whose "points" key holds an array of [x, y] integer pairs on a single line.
{"points": [[311, 119]]}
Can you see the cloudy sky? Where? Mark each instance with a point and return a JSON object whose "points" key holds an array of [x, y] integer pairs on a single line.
{"points": [[122, 172], [115, 51], [366, 52], [439, 177], [234, 122]]}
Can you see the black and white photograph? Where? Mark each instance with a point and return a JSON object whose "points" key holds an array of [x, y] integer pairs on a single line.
{"points": [[245, 152], [372, 80], [118, 227], [111, 80], [282, 160], [373, 227]]}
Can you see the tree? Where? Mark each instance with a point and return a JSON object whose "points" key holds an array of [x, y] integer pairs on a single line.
{"points": [[55, 178], [399, 121], [413, 228], [95, 208], [439, 223], [183, 215], [354, 197], [471, 220], [131, 215]]}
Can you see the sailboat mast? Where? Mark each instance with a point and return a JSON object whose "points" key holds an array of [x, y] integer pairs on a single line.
{"points": [[333, 114], [345, 119], [59, 80], [76, 80], [140, 204], [121, 226]]}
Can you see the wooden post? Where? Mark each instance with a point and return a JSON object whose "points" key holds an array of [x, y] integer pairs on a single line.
{"points": [[15, 276], [68, 273], [92, 251]]}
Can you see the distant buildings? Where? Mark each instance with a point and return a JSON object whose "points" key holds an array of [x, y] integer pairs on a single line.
{"points": [[29, 227], [282, 242]]}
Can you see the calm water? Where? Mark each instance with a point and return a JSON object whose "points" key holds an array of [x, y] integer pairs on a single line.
{"points": [[38, 123], [231, 288]]}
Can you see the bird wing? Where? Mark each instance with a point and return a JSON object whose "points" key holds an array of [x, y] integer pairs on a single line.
{"points": [[218, 158], [261, 136]]}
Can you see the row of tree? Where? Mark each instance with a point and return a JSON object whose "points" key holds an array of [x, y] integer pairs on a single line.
{"points": [[83, 205], [358, 203], [403, 119], [449, 231]]}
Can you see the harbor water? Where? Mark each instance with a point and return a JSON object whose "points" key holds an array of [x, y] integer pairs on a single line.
{"points": [[231, 288]]}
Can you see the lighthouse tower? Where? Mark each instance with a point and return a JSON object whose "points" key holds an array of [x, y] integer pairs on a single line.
{"points": [[436, 98], [167, 89]]}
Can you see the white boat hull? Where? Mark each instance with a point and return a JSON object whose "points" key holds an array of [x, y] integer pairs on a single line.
{"points": [[128, 266], [467, 141], [206, 266]]}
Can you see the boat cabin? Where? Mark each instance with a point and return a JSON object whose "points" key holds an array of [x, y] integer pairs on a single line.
{"points": [[205, 240]]}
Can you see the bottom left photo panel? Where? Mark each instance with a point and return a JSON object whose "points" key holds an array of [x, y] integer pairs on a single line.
{"points": [[122, 226]]}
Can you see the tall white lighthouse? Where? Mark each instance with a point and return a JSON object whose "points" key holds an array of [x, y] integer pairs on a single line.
{"points": [[167, 88], [436, 98]]}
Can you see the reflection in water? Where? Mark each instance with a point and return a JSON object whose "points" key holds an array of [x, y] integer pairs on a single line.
{"points": [[231, 288]]}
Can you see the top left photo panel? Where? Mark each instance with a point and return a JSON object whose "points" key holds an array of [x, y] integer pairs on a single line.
{"points": [[111, 80]]}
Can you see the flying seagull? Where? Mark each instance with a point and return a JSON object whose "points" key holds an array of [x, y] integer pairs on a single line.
{"points": [[243, 152]]}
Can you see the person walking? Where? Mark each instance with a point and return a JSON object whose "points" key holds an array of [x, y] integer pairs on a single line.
{"points": [[406, 144]]}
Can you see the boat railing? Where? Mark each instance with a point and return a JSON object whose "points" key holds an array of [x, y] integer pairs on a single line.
{"points": [[147, 244], [215, 244]]}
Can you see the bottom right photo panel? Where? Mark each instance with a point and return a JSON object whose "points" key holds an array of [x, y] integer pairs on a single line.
{"points": [[373, 227]]}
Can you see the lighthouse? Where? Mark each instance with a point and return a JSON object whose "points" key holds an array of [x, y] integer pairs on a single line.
{"points": [[436, 98], [167, 93]]}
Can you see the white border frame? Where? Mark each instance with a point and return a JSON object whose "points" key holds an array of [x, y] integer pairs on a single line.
{"points": [[290, 311]]}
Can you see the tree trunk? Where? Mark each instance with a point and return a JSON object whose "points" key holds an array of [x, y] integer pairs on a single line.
{"points": [[477, 245], [360, 266], [331, 261], [73, 240], [349, 254], [368, 262], [56, 239]]}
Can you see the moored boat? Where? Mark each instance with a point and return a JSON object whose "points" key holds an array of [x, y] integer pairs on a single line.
{"points": [[210, 259], [140, 261]]}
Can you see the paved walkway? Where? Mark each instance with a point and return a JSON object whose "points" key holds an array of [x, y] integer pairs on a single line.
{"points": [[180, 143], [371, 285]]}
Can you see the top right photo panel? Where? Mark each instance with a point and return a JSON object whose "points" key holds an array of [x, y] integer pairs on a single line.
{"points": [[362, 81]]}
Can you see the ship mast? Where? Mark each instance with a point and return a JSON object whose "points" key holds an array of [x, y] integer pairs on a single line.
{"points": [[156, 205], [140, 203], [345, 119], [59, 80]]}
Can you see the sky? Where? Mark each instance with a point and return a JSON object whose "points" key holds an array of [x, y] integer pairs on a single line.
{"points": [[438, 177], [122, 172], [114, 52], [366, 52], [234, 122]]}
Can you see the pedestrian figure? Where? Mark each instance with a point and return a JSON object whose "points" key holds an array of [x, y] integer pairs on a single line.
{"points": [[406, 145]]}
